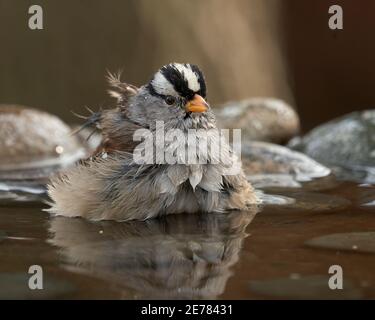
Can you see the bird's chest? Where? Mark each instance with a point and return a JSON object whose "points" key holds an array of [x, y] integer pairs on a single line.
{"points": [[196, 157]]}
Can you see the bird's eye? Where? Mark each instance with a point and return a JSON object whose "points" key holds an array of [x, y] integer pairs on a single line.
{"points": [[170, 100]]}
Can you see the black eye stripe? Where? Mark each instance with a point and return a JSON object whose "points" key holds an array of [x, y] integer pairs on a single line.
{"points": [[153, 92]]}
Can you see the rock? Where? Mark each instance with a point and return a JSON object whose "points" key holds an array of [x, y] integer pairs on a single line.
{"points": [[275, 200], [355, 242], [369, 204], [33, 142], [30, 187], [347, 144], [270, 165], [304, 287], [261, 119], [19, 197]]}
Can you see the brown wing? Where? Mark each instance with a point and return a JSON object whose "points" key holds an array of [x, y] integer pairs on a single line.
{"points": [[115, 127], [120, 90], [117, 132]]}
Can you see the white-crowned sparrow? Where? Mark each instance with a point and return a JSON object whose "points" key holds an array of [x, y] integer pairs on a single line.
{"points": [[112, 185]]}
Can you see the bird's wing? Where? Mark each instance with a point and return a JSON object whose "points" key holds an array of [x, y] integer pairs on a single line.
{"points": [[117, 131], [113, 124], [120, 90]]}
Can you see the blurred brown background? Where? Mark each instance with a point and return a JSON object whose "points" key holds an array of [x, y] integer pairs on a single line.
{"points": [[279, 48]]}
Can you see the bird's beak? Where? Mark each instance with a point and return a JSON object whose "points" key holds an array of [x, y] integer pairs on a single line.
{"points": [[197, 104]]}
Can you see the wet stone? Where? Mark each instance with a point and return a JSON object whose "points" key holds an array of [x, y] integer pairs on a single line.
{"points": [[270, 165], [15, 286], [273, 181], [271, 199], [261, 119], [27, 187], [304, 287], [33, 143], [369, 204], [12, 198], [346, 144], [363, 242]]}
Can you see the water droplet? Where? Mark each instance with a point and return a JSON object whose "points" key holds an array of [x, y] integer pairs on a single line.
{"points": [[59, 149]]}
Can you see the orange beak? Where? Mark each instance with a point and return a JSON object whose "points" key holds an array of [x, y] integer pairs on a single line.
{"points": [[197, 104]]}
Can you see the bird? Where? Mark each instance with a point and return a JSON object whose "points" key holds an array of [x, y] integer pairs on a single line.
{"points": [[111, 185]]}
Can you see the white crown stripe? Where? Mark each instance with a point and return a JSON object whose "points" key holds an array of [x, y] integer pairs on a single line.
{"points": [[190, 76], [162, 85]]}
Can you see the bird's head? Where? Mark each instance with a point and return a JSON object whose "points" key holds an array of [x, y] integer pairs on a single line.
{"points": [[176, 94]]}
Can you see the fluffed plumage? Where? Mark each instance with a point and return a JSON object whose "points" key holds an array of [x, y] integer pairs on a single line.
{"points": [[112, 185]]}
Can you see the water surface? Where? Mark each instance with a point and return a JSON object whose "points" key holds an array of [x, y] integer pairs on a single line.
{"points": [[282, 250]]}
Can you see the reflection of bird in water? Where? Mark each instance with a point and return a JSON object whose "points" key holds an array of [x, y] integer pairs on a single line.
{"points": [[112, 185], [177, 256]]}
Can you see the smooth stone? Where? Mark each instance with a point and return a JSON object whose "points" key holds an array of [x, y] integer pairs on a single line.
{"points": [[271, 199], [347, 144], [27, 188], [273, 181], [369, 204], [304, 287], [22, 191], [15, 286], [31, 139], [7, 197], [261, 119], [271, 165], [355, 242]]}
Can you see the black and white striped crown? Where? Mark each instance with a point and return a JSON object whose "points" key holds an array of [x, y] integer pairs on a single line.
{"points": [[178, 80]]}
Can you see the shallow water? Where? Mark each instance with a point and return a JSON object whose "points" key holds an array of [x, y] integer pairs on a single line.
{"points": [[278, 251]]}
